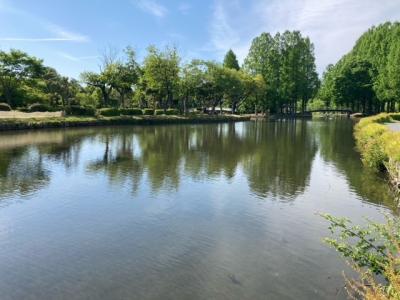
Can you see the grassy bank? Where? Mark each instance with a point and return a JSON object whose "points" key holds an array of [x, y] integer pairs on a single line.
{"points": [[71, 121], [380, 146]]}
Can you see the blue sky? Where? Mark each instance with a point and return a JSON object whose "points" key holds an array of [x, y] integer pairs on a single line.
{"points": [[70, 35]]}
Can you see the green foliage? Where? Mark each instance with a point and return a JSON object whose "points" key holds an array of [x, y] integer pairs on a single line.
{"points": [[371, 142], [23, 109], [172, 111], [230, 61], [161, 81], [161, 76], [316, 104], [368, 246], [39, 107], [372, 249], [158, 112], [5, 107], [379, 146], [77, 110], [366, 79], [287, 65], [131, 111], [17, 69], [109, 112], [148, 111]]}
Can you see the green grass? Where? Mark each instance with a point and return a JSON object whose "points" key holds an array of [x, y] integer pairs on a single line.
{"points": [[379, 146], [76, 121]]}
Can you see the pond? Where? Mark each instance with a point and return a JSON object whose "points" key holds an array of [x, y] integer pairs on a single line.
{"points": [[215, 211]]}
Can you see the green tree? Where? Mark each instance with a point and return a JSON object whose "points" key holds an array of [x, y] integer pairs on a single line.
{"points": [[237, 87], [378, 50], [192, 77], [392, 75], [286, 61], [16, 70], [230, 60], [100, 81], [124, 75], [161, 74], [354, 86]]}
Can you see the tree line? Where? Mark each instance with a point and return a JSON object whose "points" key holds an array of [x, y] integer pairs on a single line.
{"points": [[366, 79], [278, 75]]}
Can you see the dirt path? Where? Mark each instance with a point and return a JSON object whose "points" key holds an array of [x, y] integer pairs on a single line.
{"points": [[394, 126]]}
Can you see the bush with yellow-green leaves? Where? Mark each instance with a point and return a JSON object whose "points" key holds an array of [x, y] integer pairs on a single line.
{"points": [[373, 250], [380, 146]]}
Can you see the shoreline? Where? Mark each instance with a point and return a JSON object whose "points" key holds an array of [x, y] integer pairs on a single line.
{"points": [[379, 145], [75, 121]]}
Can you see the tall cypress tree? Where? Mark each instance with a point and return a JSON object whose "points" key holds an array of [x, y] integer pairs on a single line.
{"points": [[287, 64], [230, 60]]}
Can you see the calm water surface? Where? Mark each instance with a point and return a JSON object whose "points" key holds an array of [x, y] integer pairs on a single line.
{"points": [[220, 211]]}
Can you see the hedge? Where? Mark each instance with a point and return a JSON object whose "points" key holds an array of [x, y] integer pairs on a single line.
{"points": [[23, 109], [80, 110], [5, 107], [148, 111], [131, 111], [158, 112], [39, 107], [379, 146], [109, 112], [172, 111]]}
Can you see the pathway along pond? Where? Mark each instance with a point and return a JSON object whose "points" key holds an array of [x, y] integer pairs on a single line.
{"points": [[219, 211]]}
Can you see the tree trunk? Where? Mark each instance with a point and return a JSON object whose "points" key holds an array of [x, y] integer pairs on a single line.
{"points": [[185, 100], [105, 95]]}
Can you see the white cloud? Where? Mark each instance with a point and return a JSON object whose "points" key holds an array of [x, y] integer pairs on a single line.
{"points": [[332, 25], [62, 33], [184, 8], [77, 58], [58, 33], [151, 7], [223, 35]]}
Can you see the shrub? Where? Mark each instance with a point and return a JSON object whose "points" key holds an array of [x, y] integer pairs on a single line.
{"points": [[172, 111], [379, 146], [381, 118], [131, 111], [109, 112], [396, 117], [39, 107], [5, 107], [80, 110], [148, 111], [158, 112], [373, 250], [23, 109]]}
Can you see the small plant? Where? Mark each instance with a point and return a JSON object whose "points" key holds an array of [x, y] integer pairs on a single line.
{"points": [[131, 111], [148, 111], [5, 107], [172, 111], [373, 251], [109, 112], [158, 112], [23, 109], [77, 110], [379, 146], [39, 107]]}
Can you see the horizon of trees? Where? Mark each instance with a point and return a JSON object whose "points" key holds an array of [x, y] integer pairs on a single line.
{"points": [[162, 81], [277, 76], [367, 79]]}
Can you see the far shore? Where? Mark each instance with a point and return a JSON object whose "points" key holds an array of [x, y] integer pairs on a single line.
{"points": [[81, 121]]}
